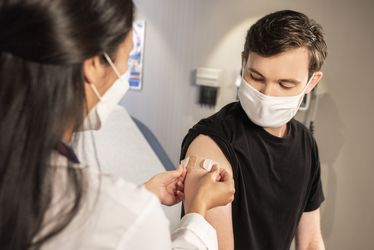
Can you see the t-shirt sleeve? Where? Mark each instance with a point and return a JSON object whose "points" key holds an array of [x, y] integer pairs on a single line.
{"points": [[316, 196], [210, 127]]}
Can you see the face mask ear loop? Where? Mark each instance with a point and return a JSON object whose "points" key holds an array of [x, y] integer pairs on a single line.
{"points": [[94, 89], [306, 86], [303, 91], [112, 65]]}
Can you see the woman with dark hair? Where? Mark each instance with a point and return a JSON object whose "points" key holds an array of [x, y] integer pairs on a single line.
{"points": [[62, 70]]}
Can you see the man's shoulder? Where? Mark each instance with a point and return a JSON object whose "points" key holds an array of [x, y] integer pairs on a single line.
{"points": [[219, 126]]}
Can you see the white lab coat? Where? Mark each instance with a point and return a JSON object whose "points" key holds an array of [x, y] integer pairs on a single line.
{"points": [[119, 215]]}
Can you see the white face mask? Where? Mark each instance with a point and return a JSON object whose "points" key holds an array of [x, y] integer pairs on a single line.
{"points": [[269, 111], [108, 101]]}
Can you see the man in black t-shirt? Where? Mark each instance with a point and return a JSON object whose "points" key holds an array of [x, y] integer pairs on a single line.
{"points": [[273, 158]]}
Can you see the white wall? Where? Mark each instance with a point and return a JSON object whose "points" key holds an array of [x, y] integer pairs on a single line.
{"points": [[183, 35]]}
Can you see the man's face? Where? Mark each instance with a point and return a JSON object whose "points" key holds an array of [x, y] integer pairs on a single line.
{"points": [[284, 74]]}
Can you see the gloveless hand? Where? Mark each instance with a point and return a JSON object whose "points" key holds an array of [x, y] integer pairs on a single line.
{"points": [[168, 186], [213, 189]]}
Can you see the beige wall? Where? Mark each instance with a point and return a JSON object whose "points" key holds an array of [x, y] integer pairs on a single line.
{"points": [[183, 35]]}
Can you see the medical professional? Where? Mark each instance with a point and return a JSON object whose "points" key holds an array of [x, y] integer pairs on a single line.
{"points": [[62, 70]]}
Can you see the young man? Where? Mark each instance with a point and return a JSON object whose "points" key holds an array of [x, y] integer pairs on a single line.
{"points": [[273, 158]]}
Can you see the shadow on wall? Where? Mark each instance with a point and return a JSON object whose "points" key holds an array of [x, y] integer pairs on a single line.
{"points": [[330, 141], [225, 54]]}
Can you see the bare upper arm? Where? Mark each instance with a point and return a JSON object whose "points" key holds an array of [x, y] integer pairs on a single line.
{"points": [[308, 235], [220, 218]]}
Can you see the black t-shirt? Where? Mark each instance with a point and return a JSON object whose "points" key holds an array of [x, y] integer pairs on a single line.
{"points": [[276, 179]]}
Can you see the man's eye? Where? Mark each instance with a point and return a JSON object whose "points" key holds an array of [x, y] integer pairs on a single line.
{"points": [[286, 85], [255, 78]]}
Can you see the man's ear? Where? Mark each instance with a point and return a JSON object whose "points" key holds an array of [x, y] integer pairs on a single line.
{"points": [[94, 71], [244, 58], [314, 81]]}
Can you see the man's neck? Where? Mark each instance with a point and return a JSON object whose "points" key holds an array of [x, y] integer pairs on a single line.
{"points": [[278, 132]]}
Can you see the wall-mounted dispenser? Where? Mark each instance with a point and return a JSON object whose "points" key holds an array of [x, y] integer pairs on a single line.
{"points": [[209, 80]]}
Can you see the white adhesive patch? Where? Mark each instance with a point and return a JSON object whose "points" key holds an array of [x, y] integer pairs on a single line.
{"points": [[208, 164]]}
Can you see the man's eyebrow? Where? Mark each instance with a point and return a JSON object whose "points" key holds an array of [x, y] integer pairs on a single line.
{"points": [[289, 80]]}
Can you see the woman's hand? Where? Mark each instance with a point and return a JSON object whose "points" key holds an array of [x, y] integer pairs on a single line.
{"points": [[213, 189], [168, 186]]}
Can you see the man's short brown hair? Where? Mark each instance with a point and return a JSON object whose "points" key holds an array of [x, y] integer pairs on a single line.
{"points": [[283, 30]]}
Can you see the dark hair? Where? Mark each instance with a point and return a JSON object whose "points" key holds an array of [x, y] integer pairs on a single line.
{"points": [[283, 30], [43, 45]]}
